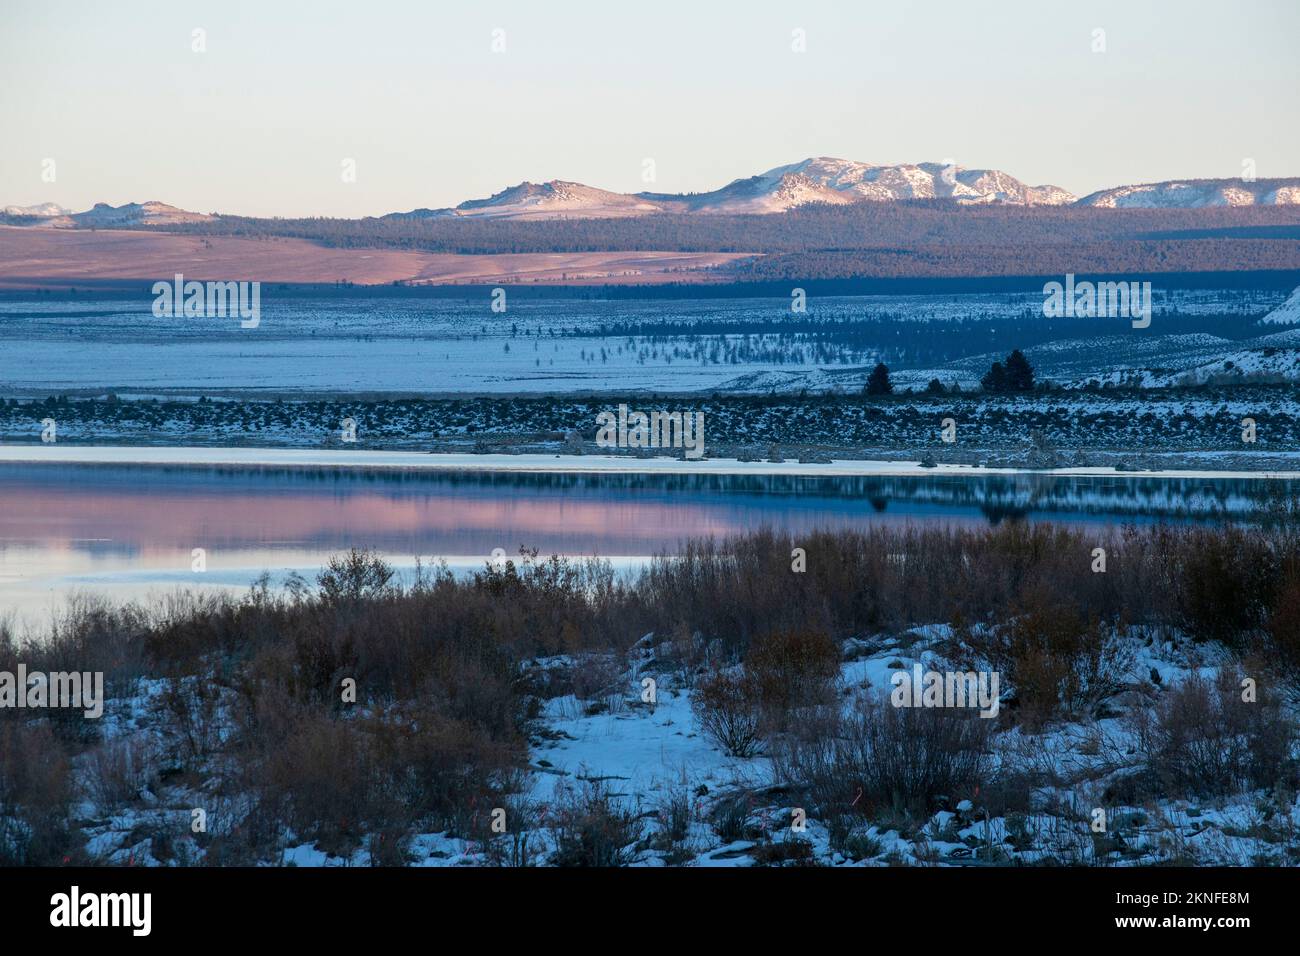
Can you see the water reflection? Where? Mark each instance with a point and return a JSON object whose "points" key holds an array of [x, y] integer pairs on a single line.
{"points": [[65, 526]]}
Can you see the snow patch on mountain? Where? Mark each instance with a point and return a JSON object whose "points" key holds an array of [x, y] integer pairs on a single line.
{"points": [[556, 199], [819, 180], [44, 209], [150, 213], [101, 215], [841, 181], [1197, 193]]}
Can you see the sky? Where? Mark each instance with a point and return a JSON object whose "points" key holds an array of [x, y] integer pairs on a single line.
{"points": [[264, 119]]}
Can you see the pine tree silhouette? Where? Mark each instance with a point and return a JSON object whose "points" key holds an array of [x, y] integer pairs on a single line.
{"points": [[878, 382]]}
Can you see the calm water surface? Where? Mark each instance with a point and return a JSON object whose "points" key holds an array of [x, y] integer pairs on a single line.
{"points": [[129, 531]]}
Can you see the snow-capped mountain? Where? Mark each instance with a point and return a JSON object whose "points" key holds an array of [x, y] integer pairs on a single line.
{"points": [[1196, 193], [101, 215], [552, 200], [842, 181], [45, 210], [824, 180], [821, 180]]}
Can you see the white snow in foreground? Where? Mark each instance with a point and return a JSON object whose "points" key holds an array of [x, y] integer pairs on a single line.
{"points": [[646, 758], [558, 464], [640, 752]]}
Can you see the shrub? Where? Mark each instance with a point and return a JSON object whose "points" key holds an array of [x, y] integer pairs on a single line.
{"points": [[727, 707], [518, 846], [117, 771], [1056, 661], [357, 576], [317, 777], [441, 769], [596, 677], [35, 792], [1203, 738], [390, 846], [860, 845], [334, 780], [885, 756], [1225, 579], [250, 685], [730, 815], [188, 712], [790, 851], [737, 590], [1283, 633], [591, 829], [791, 671]]}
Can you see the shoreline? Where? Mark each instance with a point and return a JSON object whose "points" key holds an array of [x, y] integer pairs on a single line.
{"points": [[366, 459]]}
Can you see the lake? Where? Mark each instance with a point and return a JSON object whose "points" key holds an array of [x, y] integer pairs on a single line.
{"points": [[129, 531]]}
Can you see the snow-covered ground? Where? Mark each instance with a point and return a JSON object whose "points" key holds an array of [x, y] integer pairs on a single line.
{"points": [[354, 342], [563, 464], [654, 760]]}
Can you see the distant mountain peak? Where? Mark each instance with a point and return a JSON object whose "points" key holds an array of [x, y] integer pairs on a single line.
{"points": [[43, 210], [1196, 193], [149, 213], [828, 179], [102, 215], [817, 179]]}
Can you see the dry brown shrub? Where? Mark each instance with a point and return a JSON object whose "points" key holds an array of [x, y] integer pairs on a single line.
{"points": [[35, 792], [1202, 738], [1057, 661], [884, 757], [727, 708], [791, 672], [1282, 646]]}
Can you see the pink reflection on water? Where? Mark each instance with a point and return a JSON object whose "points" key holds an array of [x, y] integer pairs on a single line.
{"points": [[439, 521]]}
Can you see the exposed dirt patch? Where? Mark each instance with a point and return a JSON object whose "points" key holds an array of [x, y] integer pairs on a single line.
{"points": [[32, 258]]}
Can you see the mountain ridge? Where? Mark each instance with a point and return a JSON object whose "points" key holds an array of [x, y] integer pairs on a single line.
{"points": [[814, 180], [1197, 193], [817, 180], [102, 215]]}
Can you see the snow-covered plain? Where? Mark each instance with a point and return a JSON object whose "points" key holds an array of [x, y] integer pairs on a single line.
{"points": [[352, 342]]}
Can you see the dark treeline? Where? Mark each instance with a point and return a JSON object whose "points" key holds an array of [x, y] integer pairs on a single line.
{"points": [[924, 342], [1127, 258], [884, 240], [736, 287]]}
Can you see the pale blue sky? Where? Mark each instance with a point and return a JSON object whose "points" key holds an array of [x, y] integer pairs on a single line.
{"points": [[260, 123]]}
